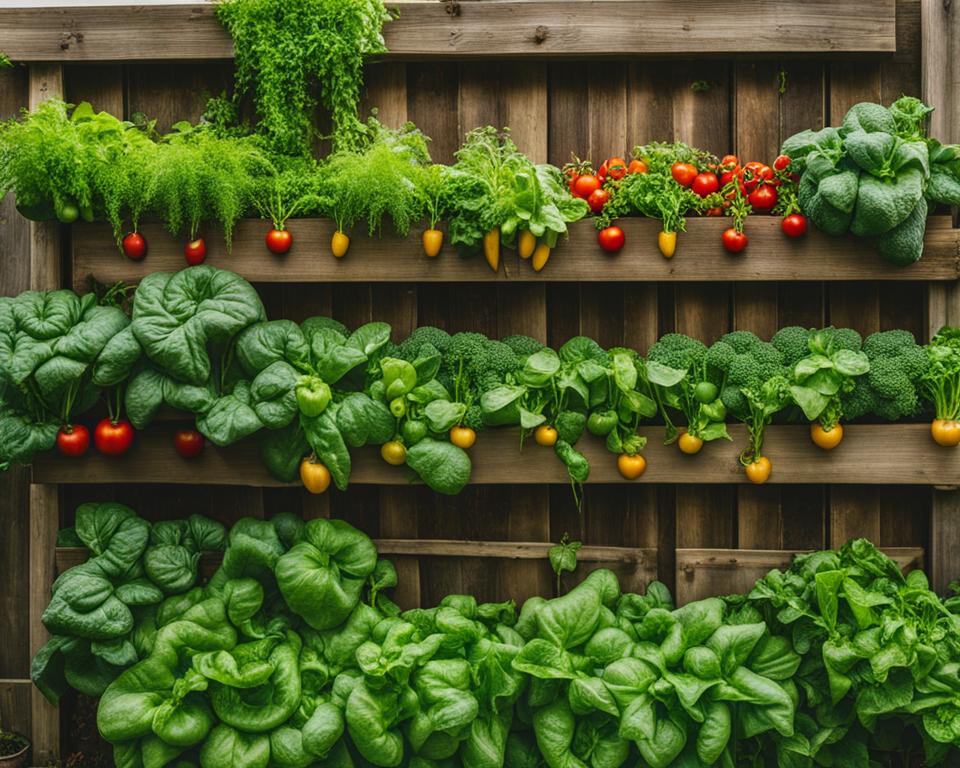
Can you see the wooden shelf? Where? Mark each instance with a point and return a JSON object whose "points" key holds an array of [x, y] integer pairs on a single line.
{"points": [[700, 256], [492, 29], [869, 454]]}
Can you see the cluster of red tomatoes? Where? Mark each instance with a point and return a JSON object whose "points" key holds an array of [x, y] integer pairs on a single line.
{"points": [[589, 186], [114, 437], [753, 187], [134, 246]]}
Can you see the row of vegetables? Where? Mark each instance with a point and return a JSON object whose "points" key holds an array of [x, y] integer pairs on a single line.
{"points": [[199, 341], [876, 176], [293, 655]]}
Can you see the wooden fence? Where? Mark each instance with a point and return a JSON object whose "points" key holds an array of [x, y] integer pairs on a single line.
{"points": [[570, 84]]}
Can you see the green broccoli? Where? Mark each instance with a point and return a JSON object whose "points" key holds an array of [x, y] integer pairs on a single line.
{"points": [[464, 363], [793, 343], [499, 362], [844, 338], [751, 363], [523, 346], [890, 388], [409, 348], [675, 350]]}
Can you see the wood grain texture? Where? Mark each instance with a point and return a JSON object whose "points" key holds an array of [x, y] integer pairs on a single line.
{"points": [[44, 524], [497, 28], [940, 24], [869, 454], [15, 706], [700, 257], [708, 572]]}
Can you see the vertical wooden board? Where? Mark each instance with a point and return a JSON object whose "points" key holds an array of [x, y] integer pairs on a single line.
{"points": [[901, 73], [175, 90], [853, 511], [802, 517], [649, 97], [803, 100], [15, 704], [522, 308], [385, 90], [301, 301], [14, 483], [905, 516], [100, 84], [940, 24], [606, 110], [568, 127], [432, 104], [44, 523]]}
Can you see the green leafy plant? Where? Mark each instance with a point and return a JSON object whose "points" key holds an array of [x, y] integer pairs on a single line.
{"points": [[379, 176], [563, 557], [286, 51]]}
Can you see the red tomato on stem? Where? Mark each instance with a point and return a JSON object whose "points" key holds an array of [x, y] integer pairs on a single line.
{"points": [[188, 443], [782, 162], [598, 198], [683, 173], [73, 439], [195, 252], [279, 241], [611, 239], [616, 168], [729, 160], [637, 166], [134, 246], [113, 437], [763, 198], [794, 225], [586, 185], [734, 241], [705, 184]]}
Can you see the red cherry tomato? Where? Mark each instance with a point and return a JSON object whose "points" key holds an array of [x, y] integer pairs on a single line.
{"points": [[714, 211], [134, 246], [616, 168], [729, 160], [637, 166], [763, 198], [705, 184], [683, 173], [611, 239], [188, 443], [598, 198], [765, 172], [734, 241], [753, 166], [113, 438], [794, 225], [573, 175], [727, 176], [279, 241], [586, 185], [73, 439], [195, 252], [781, 163]]}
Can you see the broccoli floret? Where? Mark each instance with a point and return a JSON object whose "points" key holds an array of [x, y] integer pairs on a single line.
{"points": [[890, 388], [465, 363], [410, 347], [741, 341], [523, 346], [474, 418], [676, 350], [501, 358], [742, 360], [844, 338], [793, 343], [719, 357]]}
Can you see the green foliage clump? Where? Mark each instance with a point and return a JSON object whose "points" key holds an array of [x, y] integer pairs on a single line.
{"points": [[288, 51], [410, 347], [745, 363], [792, 342], [676, 350], [890, 389], [378, 177], [523, 346]]}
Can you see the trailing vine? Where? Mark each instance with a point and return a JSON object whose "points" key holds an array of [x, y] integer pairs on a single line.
{"points": [[292, 55]]}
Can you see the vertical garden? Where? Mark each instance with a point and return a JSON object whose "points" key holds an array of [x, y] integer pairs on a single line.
{"points": [[486, 383]]}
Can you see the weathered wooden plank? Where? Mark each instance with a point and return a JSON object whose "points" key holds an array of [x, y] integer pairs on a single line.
{"points": [[496, 28], [15, 695], [868, 455], [940, 25], [700, 256], [707, 572], [44, 523]]}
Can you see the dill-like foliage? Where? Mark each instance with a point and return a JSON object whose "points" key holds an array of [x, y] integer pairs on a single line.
{"points": [[380, 178], [289, 52]]}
